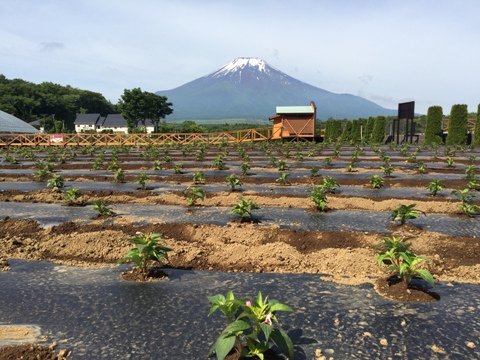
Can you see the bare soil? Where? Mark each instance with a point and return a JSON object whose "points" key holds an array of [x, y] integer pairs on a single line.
{"points": [[32, 352], [341, 256]]}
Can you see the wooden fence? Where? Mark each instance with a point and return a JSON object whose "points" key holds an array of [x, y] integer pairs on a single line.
{"points": [[238, 136]]}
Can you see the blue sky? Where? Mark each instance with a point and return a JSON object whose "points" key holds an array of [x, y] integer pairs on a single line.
{"points": [[383, 50]]}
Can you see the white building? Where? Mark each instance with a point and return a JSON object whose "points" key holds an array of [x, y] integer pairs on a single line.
{"points": [[113, 122]]}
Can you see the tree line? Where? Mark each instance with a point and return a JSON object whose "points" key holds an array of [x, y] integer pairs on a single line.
{"points": [[374, 129], [49, 102]]}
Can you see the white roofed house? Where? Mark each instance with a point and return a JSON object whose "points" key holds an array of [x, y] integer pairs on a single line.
{"points": [[87, 122], [116, 123]]}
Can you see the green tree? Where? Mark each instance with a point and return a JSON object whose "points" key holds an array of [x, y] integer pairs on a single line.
{"points": [[434, 125], [457, 125], [367, 134], [58, 126], [333, 130], [347, 132], [378, 132], [160, 108], [165, 128], [191, 127], [29, 101], [476, 138], [356, 131], [138, 106]]}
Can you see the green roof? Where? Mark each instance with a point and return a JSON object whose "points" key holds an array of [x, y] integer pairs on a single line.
{"points": [[294, 110]]}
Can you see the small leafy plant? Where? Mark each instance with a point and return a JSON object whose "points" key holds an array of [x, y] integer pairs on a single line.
{"points": [[119, 175], [387, 170], [72, 194], [282, 178], [233, 181], [193, 194], [472, 183], [98, 164], [198, 177], [299, 156], [146, 250], [218, 162], [245, 167], [466, 202], [56, 181], [412, 158], [250, 328], [199, 155], [313, 171], [376, 181], [272, 160], [435, 186], [396, 254], [449, 161], [113, 165], [102, 208], [319, 197], [330, 184], [282, 165], [404, 213], [142, 180], [350, 166], [421, 166], [328, 161], [157, 165], [41, 174], [177, 168], [244, 208]]}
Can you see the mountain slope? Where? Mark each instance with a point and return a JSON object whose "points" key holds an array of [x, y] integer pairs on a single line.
{"points": [[250, 88]]}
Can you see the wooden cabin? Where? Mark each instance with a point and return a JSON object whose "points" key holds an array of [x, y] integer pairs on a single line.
{"points": [[294, 122]]}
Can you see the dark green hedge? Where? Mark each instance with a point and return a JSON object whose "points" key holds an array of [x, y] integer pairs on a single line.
{"points": [[433, 131], [457, 125], [476, 137], [378, 132]]}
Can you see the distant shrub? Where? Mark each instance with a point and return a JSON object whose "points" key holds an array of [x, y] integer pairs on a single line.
{"points": [[476, 137], [378, 132], [433, 130], [457, 125], [368, 129]]}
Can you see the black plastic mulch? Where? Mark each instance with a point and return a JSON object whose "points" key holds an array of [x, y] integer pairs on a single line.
{"points": [[94, 313]]}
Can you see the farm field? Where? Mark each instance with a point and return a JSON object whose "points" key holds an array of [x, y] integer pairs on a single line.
{"points": [[287, 236]]}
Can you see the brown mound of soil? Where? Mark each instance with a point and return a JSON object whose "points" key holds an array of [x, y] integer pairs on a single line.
{"points": [[136, 274], [268, 355], [32, 352], [392, 288]]}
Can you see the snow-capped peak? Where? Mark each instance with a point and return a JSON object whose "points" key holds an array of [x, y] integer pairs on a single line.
{"points": [[239, 64]]}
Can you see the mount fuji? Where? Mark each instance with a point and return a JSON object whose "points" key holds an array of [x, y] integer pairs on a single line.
{"points": [[249, 88]]}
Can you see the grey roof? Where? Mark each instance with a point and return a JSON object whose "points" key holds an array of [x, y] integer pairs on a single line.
{"points": [[87, 119], [12, 124], [113, 120]]}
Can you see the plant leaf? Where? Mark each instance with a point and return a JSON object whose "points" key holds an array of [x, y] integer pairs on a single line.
{"points": [[425, 274], [238, 325], [283, 341], [280, 307], [223, 345], [267, 330]]}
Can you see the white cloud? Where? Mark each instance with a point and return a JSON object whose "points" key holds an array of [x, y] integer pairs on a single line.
{"points": [[422, 50]]}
